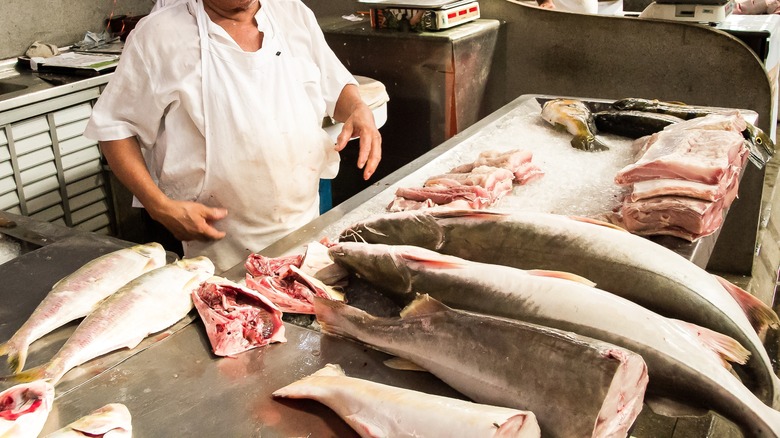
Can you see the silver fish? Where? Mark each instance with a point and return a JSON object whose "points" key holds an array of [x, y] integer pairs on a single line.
{"points": [[577, 119], [110, 421], [76, 295], [576, 387], [686, 363], [615, 260], [373, 409], [148, 304]]}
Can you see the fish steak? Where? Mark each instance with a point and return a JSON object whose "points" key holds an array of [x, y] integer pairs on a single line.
{"points": [[110, 421]]}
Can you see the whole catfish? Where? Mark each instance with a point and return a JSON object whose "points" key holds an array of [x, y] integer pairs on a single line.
{"points": [[576, 386], [150, 303], [619, 262], [79, 293], [373, 409], [686, 363]]}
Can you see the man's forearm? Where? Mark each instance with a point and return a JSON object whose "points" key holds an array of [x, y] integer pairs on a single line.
{"points": [[346, 103], [126, 162]]}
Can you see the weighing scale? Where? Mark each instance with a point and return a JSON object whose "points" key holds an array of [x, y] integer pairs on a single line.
{"points": [[700, 11], [422, 14]]}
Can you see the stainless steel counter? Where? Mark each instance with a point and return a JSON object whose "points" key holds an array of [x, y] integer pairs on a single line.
{"points": [[174, 386]]}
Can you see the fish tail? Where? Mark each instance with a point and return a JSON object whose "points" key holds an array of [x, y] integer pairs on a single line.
{"points": [[302, 389], [335, 317], [727, 348], [759, 314], [16, 357], [30, 375], [588, 142]]}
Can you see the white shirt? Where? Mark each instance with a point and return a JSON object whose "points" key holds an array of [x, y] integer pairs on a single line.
{"points": [[155, 93]]}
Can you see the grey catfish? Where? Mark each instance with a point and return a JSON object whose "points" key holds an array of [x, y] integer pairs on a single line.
{"points": [[686, 363], [576, 387], [617, 261]]}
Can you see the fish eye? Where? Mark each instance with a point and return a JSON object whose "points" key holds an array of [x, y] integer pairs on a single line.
{"points": [[759, 140]]}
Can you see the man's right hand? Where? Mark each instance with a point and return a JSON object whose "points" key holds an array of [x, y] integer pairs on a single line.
{"points": [[189, 220]]}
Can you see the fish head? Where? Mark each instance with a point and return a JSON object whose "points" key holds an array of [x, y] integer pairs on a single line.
{"points": [[154, 252], [376, 263], [760, 139], [416, 227], [202, 266]]}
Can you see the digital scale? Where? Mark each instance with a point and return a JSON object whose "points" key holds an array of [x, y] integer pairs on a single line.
{"points": [[700, 11], [421, 15]]}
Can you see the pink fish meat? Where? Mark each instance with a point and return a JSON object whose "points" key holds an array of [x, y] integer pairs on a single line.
{"points": [[237, 318], [695, 155], [24, 409]]}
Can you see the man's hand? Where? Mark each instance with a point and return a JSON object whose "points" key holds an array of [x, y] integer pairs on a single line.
{"points": [[189, 220], [359, 122]]}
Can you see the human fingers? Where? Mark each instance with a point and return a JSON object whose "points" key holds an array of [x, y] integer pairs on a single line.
{"points": [[370, 153], [344, 136]]}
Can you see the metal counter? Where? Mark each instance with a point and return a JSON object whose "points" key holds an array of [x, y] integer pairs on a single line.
{"points": [[174, 386]]}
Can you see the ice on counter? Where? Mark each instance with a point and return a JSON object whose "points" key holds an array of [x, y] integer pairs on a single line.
{"points": [[575, 182]]}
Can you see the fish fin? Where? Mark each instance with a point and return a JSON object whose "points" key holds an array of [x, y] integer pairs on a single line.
{"points": [[334, 316], [423, 305], [562, 275], [588, 220], [433, 259], [522, 424], [726, 347], [673, 408], [588, 143], [399, 363], [30, 375], [292, 390], [364, 426], [759, 314], [462, 212]]}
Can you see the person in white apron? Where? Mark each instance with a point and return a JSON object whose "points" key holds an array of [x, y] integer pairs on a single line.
{"points": [[264, 88]]}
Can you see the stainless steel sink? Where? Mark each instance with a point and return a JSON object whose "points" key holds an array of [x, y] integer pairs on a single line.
{"points": [[21, 83], [6, 87]]}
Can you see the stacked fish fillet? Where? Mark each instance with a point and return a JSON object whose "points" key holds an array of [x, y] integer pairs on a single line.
{"points": [[475, 185], [685, 178], [292, 282]]}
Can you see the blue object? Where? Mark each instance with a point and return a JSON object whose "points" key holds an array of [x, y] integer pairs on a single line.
{"points": [[326, 196]]}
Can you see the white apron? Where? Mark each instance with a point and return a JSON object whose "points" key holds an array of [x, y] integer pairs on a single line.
{"points": [[265, 148]]}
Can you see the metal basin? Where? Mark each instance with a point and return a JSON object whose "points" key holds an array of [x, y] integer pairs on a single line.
{"points": [[7, 87]]}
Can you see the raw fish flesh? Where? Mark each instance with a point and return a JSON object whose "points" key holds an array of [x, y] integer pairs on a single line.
{"points": [[24, 409], [236, 318]]}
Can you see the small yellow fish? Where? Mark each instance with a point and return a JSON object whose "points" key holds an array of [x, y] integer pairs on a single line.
{"points": [[577, 119]]}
